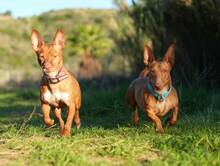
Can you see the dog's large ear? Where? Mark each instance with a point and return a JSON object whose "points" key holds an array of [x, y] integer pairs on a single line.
{"points": [[36, 40], [169, 56], [148, 55], [59, 39]]}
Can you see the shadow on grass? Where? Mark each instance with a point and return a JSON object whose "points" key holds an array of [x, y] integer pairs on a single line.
{"points": [[104, 106]]}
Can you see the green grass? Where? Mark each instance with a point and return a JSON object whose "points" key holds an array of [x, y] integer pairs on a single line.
{"points": [[107, 136]]}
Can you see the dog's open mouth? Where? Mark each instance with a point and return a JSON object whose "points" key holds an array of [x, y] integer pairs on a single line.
{"points": [[158, 86]]}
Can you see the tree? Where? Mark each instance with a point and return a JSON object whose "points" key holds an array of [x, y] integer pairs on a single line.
{"points": [[7, 13], [91, 42], [90, 39]]}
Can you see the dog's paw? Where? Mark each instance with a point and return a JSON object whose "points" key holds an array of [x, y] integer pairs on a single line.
{"points": [[78, 126], [49, 123], [135, 124], [66, 133], [171, 122], [160, 130]]}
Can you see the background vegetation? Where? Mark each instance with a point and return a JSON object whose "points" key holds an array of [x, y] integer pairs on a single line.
{"points": [[194, 25], [114, 38], [86, 30]]}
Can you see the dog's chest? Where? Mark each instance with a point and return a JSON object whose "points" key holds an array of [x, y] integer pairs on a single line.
{"points": [[162, 107], [55, 98]]}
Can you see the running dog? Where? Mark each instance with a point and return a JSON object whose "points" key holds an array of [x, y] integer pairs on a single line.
{"points": [[153, 91], [58, 86]]}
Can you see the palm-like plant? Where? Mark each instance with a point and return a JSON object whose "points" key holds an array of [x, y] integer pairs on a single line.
{"points": [[91, 42], [90, 39]]}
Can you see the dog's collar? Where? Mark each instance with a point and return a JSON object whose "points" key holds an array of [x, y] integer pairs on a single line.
{"points": [[61, 75], [160, 97]]}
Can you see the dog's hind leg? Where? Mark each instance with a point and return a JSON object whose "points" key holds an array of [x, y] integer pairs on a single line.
{"points": [[57, 113], [135, 117], [134, 108], [132, 102], [77, 119]]}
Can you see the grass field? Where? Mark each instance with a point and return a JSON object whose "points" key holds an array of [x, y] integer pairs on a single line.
{"points": [[107, 136]]}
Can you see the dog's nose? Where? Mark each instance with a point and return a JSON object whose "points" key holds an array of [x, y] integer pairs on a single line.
{"points": [[158, 82]]}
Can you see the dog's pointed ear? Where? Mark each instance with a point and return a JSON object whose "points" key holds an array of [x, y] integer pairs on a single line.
{"points": [[169, 56], [148, 55], [59, 39], [36, 40]]}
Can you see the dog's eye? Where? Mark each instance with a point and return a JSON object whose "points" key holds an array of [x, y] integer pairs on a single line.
{"points": [[152, 72], [41, 57]]}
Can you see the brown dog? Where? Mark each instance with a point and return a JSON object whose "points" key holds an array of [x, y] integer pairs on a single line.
{"points": [[58, 86], [153, 91]]}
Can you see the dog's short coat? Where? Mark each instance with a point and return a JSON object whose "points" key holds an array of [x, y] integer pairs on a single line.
{"points": [[58, 86], [148, 90]]}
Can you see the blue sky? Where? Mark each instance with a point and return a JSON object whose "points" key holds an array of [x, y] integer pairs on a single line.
{"points": [[21, 8]]}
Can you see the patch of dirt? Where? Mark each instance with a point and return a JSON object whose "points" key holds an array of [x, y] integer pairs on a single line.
{"points": [[7, 156], [107, 160], [150, 156]]}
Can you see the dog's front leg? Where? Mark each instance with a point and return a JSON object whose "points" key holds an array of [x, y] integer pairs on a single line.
{"points": [[151, 114], [69, 120], [173, 119], [57, 113], [46, 114]]}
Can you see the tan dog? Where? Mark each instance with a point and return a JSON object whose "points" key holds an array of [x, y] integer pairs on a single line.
{"points": [[58, 86], [153, 91]]}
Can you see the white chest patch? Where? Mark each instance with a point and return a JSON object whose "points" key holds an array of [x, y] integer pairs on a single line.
{"points": [[56, 97]]}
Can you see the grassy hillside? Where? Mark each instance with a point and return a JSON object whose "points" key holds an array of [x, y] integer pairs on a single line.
{"points": [[15, 49]]}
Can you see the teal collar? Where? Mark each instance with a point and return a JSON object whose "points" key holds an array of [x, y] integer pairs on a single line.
{"points": [[160, 97]]}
